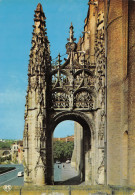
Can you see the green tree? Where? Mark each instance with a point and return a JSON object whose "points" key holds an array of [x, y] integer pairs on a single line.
{"points": [[62, 150], [6, 144]]}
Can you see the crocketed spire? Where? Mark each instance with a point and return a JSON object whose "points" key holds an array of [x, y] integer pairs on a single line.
{"points": [[71, 45], [40, 52], [71, 36]]}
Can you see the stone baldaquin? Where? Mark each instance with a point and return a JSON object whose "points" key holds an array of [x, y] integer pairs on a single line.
{"points": [[94, 87]]}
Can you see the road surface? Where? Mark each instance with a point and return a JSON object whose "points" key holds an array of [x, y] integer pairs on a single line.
{"points": [[11, 178]]}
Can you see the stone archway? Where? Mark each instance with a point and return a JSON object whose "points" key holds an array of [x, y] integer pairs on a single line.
{"points": [[85, 122], [57, 92]]}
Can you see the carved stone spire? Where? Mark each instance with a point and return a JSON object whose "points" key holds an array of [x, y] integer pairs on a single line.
{"points": [[39, 54], [71, 37], [39, 19], [36, 101], [71, 45]]}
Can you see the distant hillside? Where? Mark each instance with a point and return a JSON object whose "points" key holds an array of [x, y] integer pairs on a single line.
{"points": [[6, 143]]}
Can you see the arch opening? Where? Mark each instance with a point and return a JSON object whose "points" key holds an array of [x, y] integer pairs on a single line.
{"points": [[80, 160]]}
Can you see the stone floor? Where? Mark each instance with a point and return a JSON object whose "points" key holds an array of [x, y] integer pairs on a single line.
{"points": [[64, 174]]}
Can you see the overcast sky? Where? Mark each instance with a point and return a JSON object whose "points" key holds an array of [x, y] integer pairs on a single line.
{"points": [[16, 20]]}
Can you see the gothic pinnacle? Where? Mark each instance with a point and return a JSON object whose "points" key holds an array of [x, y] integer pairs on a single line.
{"points": [[59, 60], [39, 54], [71, 36], [71, 26], [71, 45], [39, 7], [39, 20]]}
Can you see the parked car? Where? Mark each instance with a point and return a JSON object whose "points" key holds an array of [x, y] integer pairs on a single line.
{"points": [[68, 161], [20, 174]]}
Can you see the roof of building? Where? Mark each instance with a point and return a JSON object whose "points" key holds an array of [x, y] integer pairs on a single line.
{"points": [[66, 139]]}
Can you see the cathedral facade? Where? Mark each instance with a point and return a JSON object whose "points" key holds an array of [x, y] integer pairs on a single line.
{"points": [[94, 87]]}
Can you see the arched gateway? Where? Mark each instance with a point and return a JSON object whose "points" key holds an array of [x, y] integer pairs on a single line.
{"points": [[70, 91]]}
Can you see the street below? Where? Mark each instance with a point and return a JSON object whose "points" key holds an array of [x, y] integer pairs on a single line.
{"points": [[11, 178], [64, 174]]}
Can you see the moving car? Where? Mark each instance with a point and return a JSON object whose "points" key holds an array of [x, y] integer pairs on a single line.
{"points": [[20, 174]]}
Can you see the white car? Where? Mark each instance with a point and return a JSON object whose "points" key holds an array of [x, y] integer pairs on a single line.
{"points": [[20, 174], [68, 161]]}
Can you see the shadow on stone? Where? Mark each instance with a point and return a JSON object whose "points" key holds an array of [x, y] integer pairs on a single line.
{"points": [[72, 181]]}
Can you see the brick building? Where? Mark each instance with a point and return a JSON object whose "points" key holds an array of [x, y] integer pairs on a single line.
{"points": [[65, 139]]}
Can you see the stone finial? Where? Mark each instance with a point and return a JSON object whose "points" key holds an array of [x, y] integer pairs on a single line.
{"points": [[71, 45], [59, 63], [71, 36], [39, 19], [39, 8], [59, 60], [39, 14]]}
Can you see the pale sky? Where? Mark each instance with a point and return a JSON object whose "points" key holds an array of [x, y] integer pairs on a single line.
{"points": [[16, 20]]}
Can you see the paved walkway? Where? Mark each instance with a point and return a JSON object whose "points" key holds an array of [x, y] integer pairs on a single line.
{"points": [[64, 174]]}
